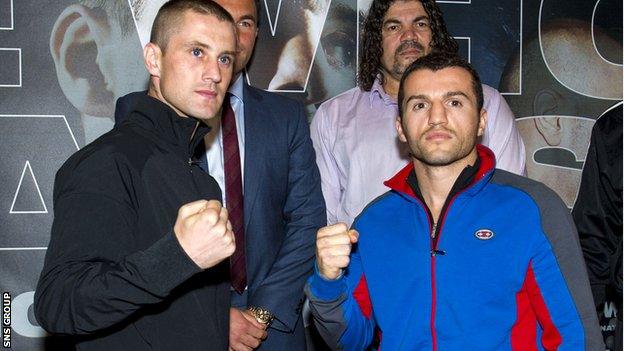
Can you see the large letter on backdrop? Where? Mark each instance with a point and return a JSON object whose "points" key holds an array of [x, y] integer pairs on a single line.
{"points": [[594, 76]]}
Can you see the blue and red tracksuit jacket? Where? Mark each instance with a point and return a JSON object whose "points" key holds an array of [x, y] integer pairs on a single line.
{"points": [[504, 272]]}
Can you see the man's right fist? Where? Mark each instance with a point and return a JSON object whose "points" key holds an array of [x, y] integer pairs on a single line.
{"points": [[333, 247], [204, 232]]}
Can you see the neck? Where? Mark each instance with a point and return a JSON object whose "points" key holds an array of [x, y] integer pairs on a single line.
{"points": [[391, 85], [154, 91], [436, 182]]}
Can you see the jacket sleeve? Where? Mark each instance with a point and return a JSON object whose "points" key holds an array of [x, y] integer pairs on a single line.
{"points": [[341, 308], [281, 292], [501, 134], [558, 288], [94, 276], [598, 211], [330, 180]]}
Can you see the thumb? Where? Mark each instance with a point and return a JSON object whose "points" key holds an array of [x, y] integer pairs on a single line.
{"points": [[353, 236], [214, 204]]}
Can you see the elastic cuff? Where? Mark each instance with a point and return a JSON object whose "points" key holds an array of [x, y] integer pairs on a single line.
{"points": [[168, 264], [326, 289]]}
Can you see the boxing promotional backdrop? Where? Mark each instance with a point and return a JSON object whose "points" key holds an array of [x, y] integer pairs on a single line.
{"points": [[64, 63]]}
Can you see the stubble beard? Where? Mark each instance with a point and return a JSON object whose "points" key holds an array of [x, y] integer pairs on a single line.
{"points": [[458, 152]]}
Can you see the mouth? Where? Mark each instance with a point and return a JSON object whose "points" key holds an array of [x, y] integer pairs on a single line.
{"points": [[207, 94], [410, 48], [437, 136], [410, 53]]}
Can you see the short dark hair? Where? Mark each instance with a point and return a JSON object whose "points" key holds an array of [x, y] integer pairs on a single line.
{"points": [[170, 14], [371, 48], [438, 61]]}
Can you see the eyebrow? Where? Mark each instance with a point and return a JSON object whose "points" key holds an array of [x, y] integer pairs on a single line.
{"points": [[395, 20], [206, 46], [447, 95], [456, 93], [416, 97], [197, 43], [248, 17]]}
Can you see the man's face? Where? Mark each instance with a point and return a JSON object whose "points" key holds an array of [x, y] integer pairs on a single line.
{"points": [[440, 119], [195, 70], [406, 36], [245, 16]]}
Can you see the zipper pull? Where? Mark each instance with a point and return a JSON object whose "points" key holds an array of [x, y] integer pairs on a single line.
{"points": [[433, 230], [437, 252]]}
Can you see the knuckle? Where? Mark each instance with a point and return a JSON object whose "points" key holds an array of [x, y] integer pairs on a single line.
{"points": [[342, 227]]}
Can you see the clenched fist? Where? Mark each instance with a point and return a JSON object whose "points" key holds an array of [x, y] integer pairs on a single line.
{"points": [[333, 247], [204, 232]]}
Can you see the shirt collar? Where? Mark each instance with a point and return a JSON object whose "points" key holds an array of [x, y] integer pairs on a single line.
{"points": [[236, 87], [377, 91]]}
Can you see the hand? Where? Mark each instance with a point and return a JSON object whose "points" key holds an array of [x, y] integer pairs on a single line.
{"points": [[333, 247], [204, 232], [246, 333]]}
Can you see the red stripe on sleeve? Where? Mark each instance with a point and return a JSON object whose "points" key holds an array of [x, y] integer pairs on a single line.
{"points": [[551, 338], [524, 331], [361, 296]]}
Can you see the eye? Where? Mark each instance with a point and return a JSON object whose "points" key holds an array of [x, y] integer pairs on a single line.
{"points": [[419, 106], [392, 27], [197, 52], [246, 24], [455, 103], [422, 25], [225, 60], [339, 48]]}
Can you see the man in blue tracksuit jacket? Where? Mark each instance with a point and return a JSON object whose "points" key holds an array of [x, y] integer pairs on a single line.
{"points": [[457, 255]]}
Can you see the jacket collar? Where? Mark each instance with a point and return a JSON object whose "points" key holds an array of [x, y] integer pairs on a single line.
{"points": [[487, 164], [160, 118]]}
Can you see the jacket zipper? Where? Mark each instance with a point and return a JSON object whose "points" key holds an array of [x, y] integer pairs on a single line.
{"points": [[434, 233]]}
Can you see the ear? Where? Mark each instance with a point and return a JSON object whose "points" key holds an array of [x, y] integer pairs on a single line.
{"points": [[549, 128], [152, 55], [482, 122], [399, 128], [77, 37], [545, 102]]}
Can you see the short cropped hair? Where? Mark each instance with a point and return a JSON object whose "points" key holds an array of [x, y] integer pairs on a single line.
{"points": [[437, 61], [171, 13]]}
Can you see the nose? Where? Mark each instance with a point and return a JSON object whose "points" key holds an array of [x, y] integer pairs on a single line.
{"points": [[437, 114], [211, 71], [408, 33]]}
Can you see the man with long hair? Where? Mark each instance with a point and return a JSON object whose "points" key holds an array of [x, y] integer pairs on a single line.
{"points": [[354, 137]]}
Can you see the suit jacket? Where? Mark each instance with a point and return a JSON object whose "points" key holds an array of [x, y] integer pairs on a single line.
{"points": [[283, 209]]}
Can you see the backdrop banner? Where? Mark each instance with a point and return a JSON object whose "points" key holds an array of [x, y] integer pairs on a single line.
{"points": [[64, 63]]}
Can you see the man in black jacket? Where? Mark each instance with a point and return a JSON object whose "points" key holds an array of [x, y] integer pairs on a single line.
{"points": [[134, 260], [598, 215]]}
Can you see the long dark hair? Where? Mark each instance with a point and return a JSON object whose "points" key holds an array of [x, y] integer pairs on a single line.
{"points": [[371, 49]]}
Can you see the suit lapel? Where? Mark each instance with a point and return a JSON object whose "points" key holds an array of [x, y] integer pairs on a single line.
{"points": [[254, 128]]}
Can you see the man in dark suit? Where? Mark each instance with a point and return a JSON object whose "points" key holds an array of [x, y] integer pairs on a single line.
{"points": [[261, 155], [283, 203]]}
